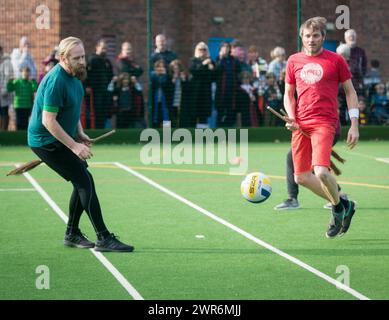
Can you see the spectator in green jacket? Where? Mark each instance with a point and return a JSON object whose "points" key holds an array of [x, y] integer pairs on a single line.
{"points": [[24, 89]]}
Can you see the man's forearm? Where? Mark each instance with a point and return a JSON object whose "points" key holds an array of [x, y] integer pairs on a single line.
{"points": [[352, 103], [80, 129], [290, 106], [354, 122], [60, 134]]}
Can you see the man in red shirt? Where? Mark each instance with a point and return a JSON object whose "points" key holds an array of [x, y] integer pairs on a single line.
{"points": [[315, 74]]}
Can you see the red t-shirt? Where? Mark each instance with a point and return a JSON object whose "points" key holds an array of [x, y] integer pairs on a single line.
{"points": [[317, 81]]}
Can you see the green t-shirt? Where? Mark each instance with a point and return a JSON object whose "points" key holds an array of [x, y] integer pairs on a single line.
{"points": [[58, 89], [24, 92]]}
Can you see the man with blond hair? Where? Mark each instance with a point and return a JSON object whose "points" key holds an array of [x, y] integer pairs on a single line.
{"points": [[315, 74], [56, 136]]}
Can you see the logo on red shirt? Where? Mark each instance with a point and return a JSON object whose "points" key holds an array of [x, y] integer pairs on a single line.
{"points": [[311, 73]]}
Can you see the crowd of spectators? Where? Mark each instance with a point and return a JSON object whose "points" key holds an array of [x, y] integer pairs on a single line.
{"points": [[231, 91]]}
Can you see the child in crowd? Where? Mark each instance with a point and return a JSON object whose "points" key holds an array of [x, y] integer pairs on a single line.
{"points": [[122, 101], [380, 104], [273, 98], [246, 102], [159, 81], [372, 77], [364, 114], [24, 89], [177, 90], [125, 89]]}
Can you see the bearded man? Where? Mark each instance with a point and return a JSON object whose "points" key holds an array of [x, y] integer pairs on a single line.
{"points": [[56, 136]]}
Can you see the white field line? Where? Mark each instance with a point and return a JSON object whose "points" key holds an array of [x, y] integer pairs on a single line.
{"points": [[119, 277], [17, 189], [11, 164], [386, 160], [7, 164], [245, 234]]}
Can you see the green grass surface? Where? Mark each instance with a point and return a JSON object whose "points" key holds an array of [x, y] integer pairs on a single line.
{"points": [[170, 262]]}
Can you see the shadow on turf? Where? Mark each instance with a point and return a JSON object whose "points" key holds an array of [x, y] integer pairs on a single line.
{"points": [[294, 252], [203, 251], [347, 252], [369, 241]]}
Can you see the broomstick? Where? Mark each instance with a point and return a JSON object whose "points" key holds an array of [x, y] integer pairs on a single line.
{"points": [[34, 163], [334, 154]]}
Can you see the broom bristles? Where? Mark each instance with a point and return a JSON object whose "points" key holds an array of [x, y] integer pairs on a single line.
{"points": [[25, 167], [335, 169], [337, 156], [32, 164]]}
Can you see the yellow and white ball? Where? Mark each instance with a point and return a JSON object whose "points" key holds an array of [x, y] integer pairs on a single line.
{"points": [[256, 187]]}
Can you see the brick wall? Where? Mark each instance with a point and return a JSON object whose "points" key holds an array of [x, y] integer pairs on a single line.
{"points": [[370, 20], [90, 19], [18, 18], [186, 22]]}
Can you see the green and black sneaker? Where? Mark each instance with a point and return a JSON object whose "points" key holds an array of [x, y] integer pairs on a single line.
{"points": [[335, 226], [349, 213]]}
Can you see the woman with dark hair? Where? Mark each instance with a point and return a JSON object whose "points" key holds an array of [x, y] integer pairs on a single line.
{"points": [[177, 91]]}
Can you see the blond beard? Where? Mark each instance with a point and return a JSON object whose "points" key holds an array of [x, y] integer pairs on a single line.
{"points": [[78, 72]]}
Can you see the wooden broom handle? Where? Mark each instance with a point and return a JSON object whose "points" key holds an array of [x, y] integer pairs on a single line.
{"points": [[107, 134], [277, 114]]}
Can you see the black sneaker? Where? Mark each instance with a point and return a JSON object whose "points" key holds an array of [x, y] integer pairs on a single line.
{"points": [[335, 225], [347, 217], [112, 244], [343, 197], [77, 239]]}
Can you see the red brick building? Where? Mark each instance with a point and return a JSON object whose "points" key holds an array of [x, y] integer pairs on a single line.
{"points": [[264, 23]]}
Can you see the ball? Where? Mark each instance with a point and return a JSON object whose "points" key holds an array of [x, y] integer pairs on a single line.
{"points": [[256, 187]]}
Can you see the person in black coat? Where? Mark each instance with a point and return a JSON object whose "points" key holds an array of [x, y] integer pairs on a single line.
{"points": [[161, 52], [202, 70], [126, 64], [100, 74], [177, 94], [227, 73]]}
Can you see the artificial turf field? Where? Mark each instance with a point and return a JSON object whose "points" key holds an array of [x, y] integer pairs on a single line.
{"points": [[182, 250]]}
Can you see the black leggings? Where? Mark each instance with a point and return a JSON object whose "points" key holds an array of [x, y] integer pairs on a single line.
{"points": [[22, 116], [63, 161]]}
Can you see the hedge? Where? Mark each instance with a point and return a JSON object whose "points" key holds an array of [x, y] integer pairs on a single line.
{"points": [[264, 134]]}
